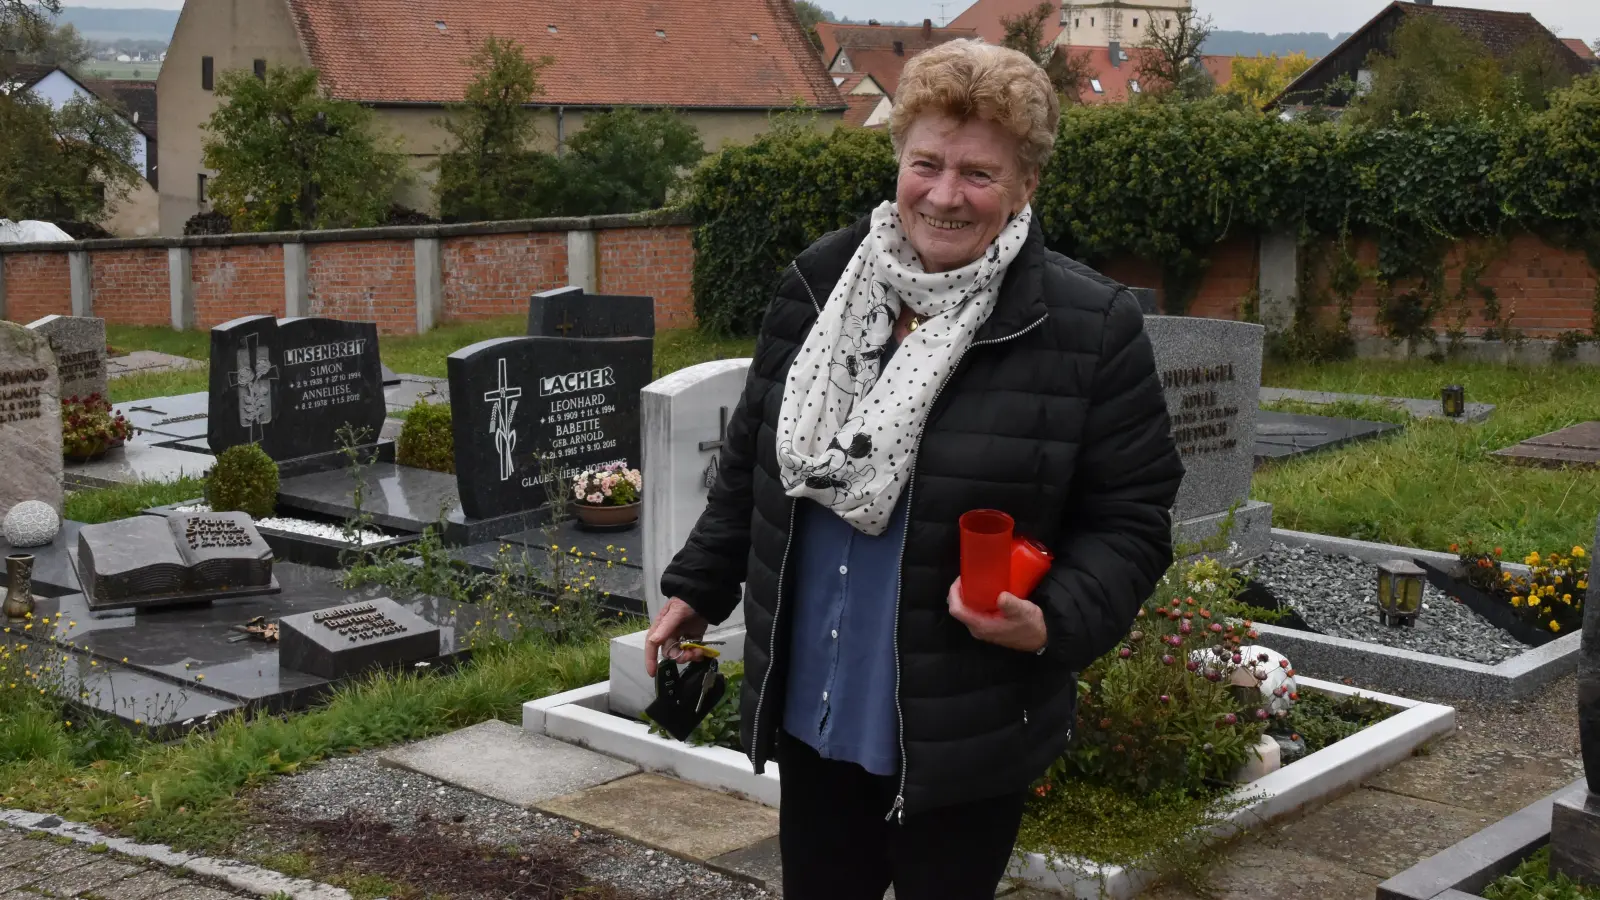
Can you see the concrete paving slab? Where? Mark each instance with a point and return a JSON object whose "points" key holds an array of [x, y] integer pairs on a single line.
{"points": [[191, 891], [1480, 776], [16, 877], [670, 815], [140, 887], [1256, 870], [26, 852], [85, 878], [762, 862], [1379, 833], [502, 761]]}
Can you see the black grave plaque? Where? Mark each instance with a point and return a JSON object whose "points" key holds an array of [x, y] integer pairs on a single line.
{"points": [[347, 640], [514, 399], [569, 312], [151, 561], [290, 384]]}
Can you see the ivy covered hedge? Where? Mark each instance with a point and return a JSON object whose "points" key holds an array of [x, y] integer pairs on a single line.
{"points": [[1168, 181]]}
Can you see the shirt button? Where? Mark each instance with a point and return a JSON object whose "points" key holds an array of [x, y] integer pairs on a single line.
{"points": [[824, 695], [844, 570], [836, 634]]}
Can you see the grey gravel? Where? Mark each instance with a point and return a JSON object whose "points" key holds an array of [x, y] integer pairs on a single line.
{"points": [[359, 784], [1337, 595]]}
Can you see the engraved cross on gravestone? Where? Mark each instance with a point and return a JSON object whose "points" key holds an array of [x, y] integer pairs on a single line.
{"points": [[503, 409], [254, 378]]}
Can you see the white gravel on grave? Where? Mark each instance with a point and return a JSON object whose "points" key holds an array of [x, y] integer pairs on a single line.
{"points": [[360, 784], [1338, 595], [298, 526]]}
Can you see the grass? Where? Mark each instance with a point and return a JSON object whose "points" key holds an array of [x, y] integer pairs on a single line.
{"points": [[1435, 483], [125, 500], [1342, 409], [137, 71], [1532, 881], [415, 354], [188, 793]]}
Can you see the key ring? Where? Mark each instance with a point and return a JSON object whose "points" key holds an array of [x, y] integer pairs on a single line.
{"points": [[674, 648]]}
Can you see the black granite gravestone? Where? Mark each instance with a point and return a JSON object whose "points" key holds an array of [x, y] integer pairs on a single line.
{"points": [[1575, 818], [574, 401], [350, 639], [569, 312], [290, 384], [150, 561]]}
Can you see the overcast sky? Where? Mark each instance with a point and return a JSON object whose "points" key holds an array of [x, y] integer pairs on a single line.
{"points": [[1568, 18]]}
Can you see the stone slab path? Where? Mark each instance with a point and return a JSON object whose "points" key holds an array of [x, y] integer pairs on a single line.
{"points": [[34, 867], [500, 760]]}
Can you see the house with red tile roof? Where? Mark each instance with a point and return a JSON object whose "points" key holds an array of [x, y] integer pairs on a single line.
{"points": [[869, 103], [726, 66], [880, 50], [1584, 51], [1503, 33]]}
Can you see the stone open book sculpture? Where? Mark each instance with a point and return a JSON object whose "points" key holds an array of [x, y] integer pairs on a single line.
{"points": [[149, 560]]}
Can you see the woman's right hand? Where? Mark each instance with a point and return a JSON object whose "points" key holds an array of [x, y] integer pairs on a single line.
{"points": [[677, 620]]}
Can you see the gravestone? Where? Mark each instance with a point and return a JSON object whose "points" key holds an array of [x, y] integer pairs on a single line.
{"points": [[1575, 818], [685, 420], [30, 419], [353, 638], [290, 384], [1282, 435], [79, 343], [1210, 372], [154, 561], [569, 312], [531, 408], [1576, 446]]}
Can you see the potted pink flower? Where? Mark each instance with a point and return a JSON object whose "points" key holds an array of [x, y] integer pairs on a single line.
{"points": [[607, 496]]}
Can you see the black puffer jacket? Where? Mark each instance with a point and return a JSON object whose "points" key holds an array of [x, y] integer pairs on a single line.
{"points": [[1054, 415]]}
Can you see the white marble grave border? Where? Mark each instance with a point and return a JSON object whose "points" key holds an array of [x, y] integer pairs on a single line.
{"points": [[1427, 674], [582, 717]]}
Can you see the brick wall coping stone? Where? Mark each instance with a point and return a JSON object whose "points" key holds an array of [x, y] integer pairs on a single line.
{"points": [[653, 219]]}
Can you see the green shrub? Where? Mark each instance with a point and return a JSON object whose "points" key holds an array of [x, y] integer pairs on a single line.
{"points": [[426, 441], [244, 478]]}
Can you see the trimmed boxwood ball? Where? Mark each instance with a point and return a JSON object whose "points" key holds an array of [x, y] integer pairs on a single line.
{"points": [[426, 441], [244, 479]]}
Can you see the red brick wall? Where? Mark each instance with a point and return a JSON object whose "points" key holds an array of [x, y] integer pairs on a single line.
{"points": [[655, 262], [36, 284], [1231, 277], [367, 281], [230, 282], [132, 287], [495, 274]]}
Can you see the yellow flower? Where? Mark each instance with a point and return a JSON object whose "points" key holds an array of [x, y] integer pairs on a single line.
{"points": [[1566, 598], [1578, 552], [1554, 625], [1533, 601], [1583, 585], [1532, 559], [199, 678]]}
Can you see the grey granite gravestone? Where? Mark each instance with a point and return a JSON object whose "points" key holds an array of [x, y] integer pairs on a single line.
{"points": [[350, 639], [79, 343], [30, 419], [1210, 372], [1575, 818]]}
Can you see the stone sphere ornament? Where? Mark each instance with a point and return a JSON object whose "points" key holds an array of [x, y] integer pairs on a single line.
{"points": [[31, 523]]}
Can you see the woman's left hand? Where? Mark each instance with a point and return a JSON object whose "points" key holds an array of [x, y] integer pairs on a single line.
{"points": [[1016, 623]]}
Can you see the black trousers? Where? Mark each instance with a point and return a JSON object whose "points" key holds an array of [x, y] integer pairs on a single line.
{"points": [[837, 845]]}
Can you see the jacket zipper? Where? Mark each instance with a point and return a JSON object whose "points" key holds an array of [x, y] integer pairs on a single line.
{"points": [[897, 812], [783, 566]]}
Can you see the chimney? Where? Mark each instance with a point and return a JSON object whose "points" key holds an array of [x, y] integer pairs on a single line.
{"points": [[899, 48], [1424, 2], [1116, 54], [927, 29]]}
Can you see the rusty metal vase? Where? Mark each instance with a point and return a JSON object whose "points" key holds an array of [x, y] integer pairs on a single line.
{"points": [[19, 585]]}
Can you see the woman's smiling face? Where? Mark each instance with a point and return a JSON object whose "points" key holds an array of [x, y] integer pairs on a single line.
{"points": [[960, 182]]}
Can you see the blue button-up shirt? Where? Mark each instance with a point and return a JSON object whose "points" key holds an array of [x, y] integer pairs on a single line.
{"points": [[841, 695]]}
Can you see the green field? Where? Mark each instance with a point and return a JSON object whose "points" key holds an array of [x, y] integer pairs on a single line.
{"points": [[133, 71]]}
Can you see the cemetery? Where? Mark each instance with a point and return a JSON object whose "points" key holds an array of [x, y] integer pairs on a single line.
{"points": [[302, 551]]}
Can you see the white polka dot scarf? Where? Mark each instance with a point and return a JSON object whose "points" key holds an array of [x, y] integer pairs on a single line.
{"points": [[846, 434]]}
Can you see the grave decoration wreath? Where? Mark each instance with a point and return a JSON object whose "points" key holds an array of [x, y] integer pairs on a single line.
{"points": [[90, 428], [1549, 597], [607, 496]]}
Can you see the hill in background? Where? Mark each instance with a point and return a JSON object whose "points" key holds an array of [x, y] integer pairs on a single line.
{"points": [[98, 24], [1250, 43]]}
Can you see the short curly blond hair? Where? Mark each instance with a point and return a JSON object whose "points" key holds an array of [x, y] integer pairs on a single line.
{"points": [[971, 79]]}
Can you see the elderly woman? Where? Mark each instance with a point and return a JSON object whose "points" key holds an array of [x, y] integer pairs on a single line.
{"points": [[932, 359]]}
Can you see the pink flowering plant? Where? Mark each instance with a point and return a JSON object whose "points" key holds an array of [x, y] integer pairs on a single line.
{"points": [[613, 484]]}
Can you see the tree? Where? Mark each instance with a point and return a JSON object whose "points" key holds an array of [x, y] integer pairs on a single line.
{"points": [[1257, 80], [1070, 73], [1170, 64], [1430, 67], [61, 46], [287, 157], [625, 160], [1024, 32], [1534, 71], [66, 165], [809, 15], [491, 171], [23, 26]]}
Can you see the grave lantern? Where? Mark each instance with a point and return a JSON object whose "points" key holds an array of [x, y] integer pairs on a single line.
{"points": [[1454, 399], [1399, 592]]}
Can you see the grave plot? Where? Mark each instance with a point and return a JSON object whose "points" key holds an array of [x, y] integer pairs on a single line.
{"points": [[320, 542], [1577, 446], [1416, 408], [1281, 436]]}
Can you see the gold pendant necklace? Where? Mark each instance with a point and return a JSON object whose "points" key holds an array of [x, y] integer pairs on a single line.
{"points": [[916, 321]]}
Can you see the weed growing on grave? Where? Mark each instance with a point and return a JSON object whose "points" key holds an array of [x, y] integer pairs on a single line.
{"points": [[244, 478], [1318, 720], [426, 439], [125, 500], [354, 446], [1532, 880], [1549, 597]]}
